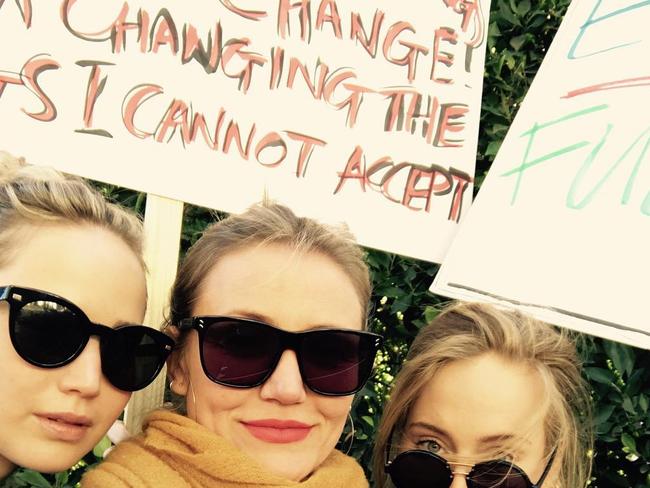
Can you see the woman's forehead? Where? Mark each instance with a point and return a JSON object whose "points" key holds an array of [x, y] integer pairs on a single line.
{"points": [[480, 400]]}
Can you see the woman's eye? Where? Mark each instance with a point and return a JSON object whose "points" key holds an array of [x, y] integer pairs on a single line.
{"points": [[429, 445]]}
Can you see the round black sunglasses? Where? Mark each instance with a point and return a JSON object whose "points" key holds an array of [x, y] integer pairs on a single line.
{"points": [[243, 353], [423, 469], [48, 331]]}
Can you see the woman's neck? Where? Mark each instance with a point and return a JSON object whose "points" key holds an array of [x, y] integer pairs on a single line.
{"points": [[6, 467]]}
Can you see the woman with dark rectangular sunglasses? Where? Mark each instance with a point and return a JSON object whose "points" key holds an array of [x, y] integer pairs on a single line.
{"points": [[487, 398], [72, 283], [270, 311]]}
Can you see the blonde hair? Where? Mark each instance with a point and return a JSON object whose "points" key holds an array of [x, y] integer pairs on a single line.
{"points": [[264, 223], [467, 330], [34, 195]]}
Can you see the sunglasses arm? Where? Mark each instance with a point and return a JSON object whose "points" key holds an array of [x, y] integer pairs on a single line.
{"points": [[387, 461], [547, 469]]}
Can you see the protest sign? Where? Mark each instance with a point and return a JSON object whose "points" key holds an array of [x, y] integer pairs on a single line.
{"points": [[561, 226], [363, 112]]}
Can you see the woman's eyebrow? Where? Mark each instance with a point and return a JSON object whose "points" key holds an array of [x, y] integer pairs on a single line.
{"points": [[502, 441], [250, 315], [493, 439], [444, 435], [259, 317]]}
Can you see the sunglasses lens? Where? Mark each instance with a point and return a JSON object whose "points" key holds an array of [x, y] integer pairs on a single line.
{"points": [[239, 353], [336, 362], [132, 356], [47, 334], [419, 469], [498, 474]]}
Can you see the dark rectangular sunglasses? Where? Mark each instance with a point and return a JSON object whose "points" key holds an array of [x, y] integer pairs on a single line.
{"points": [[49, 332], [244, 353], [423, 469]]}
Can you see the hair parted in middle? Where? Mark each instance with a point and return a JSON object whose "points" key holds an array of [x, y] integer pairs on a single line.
{"points": [[467, 330], [265, 223]]}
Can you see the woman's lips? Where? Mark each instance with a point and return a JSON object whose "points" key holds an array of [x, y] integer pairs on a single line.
{"points": [[67, 427], [278, 431]]}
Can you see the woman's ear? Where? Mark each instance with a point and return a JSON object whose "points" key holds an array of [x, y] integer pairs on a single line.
{"points": [[177, 370]]}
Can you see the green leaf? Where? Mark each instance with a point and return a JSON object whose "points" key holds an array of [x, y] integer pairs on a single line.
{"points": [[368, 420], [628, 406], [430, 313], [523, 8], [61, 479], [507, 14], [628, 442], [622, 356], [101, 447], [635, 382], [493, 148], [493, 30], [378, 259], [600, 375], [391, 292], [518, 42], [604, 413], [643, 403], [34, 479], [539, 20]]}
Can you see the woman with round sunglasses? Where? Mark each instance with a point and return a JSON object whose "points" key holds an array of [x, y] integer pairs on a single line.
{"points": [[487, 398], [71, 285], [269, 312]]}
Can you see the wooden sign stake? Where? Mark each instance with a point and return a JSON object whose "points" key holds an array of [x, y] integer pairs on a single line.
{"points": [[162, 224]]}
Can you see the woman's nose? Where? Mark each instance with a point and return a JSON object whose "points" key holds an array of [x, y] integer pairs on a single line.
{"points": [[285, 384], [83, 375], [460, 471], [459, 481]]}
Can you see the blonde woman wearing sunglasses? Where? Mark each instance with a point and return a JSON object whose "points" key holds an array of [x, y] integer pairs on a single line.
{"points": [[71, 285], [269, 310], [486, 398]]}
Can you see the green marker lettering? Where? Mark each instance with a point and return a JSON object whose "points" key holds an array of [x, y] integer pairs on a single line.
{"points": [[532, 132]]}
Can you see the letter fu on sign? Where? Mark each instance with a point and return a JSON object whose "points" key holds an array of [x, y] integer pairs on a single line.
{"points": [[364, 112], [561, 226]]}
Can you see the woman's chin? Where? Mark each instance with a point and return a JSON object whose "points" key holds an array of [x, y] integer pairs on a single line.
{"points": [[49, 466], [289, 469]]}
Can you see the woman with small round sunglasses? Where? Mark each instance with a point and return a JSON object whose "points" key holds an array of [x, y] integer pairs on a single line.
{"points": [[71, 285], [269, 311], [487, 398]]}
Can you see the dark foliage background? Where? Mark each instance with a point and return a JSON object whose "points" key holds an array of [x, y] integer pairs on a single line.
{"points": [[520, 32]]}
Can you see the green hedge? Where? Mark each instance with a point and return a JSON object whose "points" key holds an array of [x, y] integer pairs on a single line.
{"points": [[519, 34]]}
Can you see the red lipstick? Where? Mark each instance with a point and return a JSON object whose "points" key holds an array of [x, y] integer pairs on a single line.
{"points": [[64, 426], [278, 431]]}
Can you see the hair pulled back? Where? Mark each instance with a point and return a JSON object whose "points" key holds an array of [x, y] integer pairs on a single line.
{"points": [[32, 196]]}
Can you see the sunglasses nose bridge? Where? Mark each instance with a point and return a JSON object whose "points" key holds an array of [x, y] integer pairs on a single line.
{"points": [[101, 332], [291, 341], [284, 381], [459, 468], [98, 330]]}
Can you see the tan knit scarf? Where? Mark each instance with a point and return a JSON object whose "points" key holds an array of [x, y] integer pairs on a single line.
{"points": [[176, 452]]}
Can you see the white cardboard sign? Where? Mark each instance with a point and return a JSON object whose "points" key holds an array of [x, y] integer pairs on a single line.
{"points": [[363, 112], [561, 226]]}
